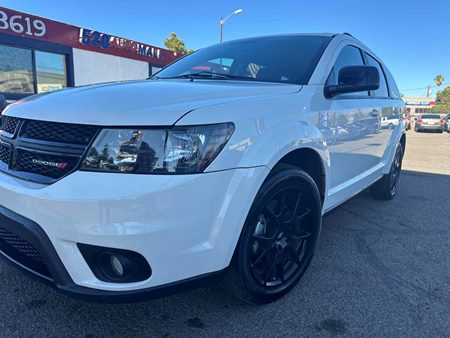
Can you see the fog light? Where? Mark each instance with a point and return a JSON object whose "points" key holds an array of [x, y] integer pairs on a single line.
{"points": [[111, 265], [116, 266]]}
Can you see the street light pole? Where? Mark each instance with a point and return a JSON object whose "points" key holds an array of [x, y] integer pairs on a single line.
{"points": [[221, 29], [222, 21]]}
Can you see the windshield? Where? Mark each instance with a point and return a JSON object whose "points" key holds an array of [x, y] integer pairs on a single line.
{"points": [[431, 116], [281, 59]]}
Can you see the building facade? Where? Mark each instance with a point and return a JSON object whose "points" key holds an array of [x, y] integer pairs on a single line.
{"points": [[38, 55], [418, 105]]}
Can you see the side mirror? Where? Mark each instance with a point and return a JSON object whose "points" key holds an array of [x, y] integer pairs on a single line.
{"points": [[3, 102], [354, 79]]}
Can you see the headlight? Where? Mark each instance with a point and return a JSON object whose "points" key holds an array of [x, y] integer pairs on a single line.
{"points": [[177, 150]]}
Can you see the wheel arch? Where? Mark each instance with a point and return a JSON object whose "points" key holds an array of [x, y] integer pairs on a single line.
{"points": [[310, 161], [399, 136]]}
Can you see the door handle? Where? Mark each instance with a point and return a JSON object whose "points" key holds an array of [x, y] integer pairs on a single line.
{"points": [[375, 113]]}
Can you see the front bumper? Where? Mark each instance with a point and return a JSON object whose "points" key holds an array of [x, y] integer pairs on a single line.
{"points": [[185, 226], [53, 272]]}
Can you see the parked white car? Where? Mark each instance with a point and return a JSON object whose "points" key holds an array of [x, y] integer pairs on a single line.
{"points": [[129, 190], [389, 122]]}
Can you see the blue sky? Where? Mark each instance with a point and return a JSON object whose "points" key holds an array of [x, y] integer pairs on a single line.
{"points": [[411, 36]]}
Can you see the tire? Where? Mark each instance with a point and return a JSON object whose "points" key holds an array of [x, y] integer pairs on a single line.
{"points": [[390, 126], [386, 187], [272, 255]]}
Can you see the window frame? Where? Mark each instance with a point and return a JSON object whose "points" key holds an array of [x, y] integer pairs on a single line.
{"points": [[388, 87], [390, 79], [35, 54], [348, 97], [37, 45]]}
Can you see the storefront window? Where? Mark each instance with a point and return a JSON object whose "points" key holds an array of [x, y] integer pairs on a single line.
{"points": [[16, 70], [50, 71], [154, 70]]}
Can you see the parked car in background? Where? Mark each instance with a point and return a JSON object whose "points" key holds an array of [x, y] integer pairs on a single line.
{"points": [[389, 122], [447, 123], [407, 121], [429, 122], [3, 103], [128, 190]]}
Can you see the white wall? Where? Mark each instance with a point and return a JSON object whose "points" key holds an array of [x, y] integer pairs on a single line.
{"points": [[92, 67]]}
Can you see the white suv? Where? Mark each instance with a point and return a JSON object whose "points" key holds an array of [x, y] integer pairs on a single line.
{"points": [[221, 165]]}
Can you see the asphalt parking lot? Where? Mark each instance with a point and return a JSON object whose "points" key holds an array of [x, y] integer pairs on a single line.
{"points": [[381, 269]]}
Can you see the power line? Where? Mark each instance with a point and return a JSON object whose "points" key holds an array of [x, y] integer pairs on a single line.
{"points": [[434, 86]]}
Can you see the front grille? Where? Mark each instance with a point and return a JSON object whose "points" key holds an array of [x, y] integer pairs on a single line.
{"points": [[9, 124], [43, 151], [5, 152], [23, 252], [59, 132], [54, 166]]}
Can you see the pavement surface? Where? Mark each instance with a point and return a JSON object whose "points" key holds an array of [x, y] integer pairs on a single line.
{"points": [[381, 269]]}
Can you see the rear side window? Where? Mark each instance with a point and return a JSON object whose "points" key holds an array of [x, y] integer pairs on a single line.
{"points": [[382, 91], [393, 89], [349, 56]]}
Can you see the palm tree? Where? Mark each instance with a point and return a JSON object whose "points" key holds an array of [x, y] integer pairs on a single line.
{"points": [[439, 80]]}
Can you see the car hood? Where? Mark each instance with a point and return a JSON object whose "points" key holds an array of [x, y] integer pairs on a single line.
{"points": [[158, 102]]}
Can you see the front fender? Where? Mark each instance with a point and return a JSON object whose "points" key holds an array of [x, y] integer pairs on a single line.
{"points": [[266, 130]]}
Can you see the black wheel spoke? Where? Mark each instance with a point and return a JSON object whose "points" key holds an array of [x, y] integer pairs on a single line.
{"points": [[303, 213], [264, 252], [297, 203], [272, 266], [281, 273], [264, 241], [300, 253], [297, 244], [301, 237], [290, 219]]}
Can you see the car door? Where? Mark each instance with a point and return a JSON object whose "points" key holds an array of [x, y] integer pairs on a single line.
{"points": [[385, 104], [354, 118]]}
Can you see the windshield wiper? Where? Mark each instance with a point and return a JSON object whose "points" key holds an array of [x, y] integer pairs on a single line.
{"points": [[208, 75]]}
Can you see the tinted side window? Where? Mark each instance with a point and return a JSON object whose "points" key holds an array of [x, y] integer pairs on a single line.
{"points": [[382, 91], [395, 93], [349, 56]]}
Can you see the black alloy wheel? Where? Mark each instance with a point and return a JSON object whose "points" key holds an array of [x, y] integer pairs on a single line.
{"points": [[386, 187], [396, 170], [279, 237]]}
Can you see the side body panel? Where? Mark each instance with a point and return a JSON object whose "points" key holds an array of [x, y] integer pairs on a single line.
{"points": [[269, 128]]}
